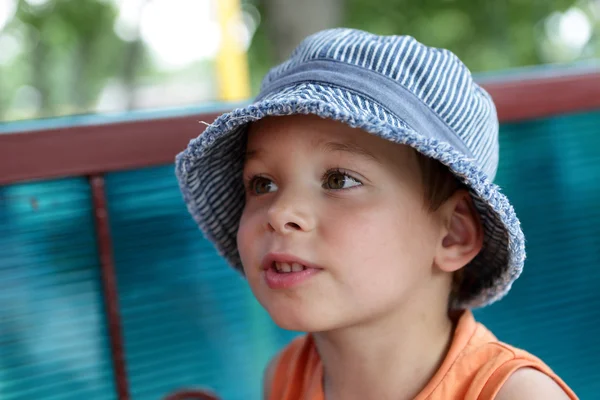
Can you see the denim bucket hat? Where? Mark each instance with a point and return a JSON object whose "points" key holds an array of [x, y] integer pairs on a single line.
{"points": [[390, 86]]}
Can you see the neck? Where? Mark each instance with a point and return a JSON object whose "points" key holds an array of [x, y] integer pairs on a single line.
{"points": [[388, 358]]}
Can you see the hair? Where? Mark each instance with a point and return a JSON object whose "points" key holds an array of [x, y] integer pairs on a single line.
{"points": [[439, 185], [438, 182]]}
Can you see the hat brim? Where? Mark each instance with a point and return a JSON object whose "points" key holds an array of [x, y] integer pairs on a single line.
{"points": [[209, 172]]}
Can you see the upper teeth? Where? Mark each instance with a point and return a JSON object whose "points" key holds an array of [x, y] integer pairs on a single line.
{"points": [[287, 267]]}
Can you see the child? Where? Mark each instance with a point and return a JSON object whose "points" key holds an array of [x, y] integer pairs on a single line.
{"points": [[356, 197]]}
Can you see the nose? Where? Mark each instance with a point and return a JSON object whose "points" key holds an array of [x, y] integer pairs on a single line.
{"points": [[290, 213]]}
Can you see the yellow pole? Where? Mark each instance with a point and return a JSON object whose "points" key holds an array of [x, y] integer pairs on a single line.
{"points": [[232, 63]]}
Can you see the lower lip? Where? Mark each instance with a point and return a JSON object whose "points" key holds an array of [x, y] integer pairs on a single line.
{"points": [[276, 280]]}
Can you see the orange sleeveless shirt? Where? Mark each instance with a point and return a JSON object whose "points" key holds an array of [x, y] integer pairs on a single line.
{"points": [[475, 368]]}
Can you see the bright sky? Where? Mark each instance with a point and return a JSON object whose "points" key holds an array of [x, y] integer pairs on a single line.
{"points": [[7, 10], [569, 32], [575, 28], [177, 31]]}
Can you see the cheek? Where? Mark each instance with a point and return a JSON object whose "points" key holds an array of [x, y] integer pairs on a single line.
{"points": [[383, 236], [380, 258]]}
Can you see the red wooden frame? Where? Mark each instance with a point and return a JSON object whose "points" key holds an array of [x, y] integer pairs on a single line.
{"points": [[109, 280], [526, 99], [93, 150]]}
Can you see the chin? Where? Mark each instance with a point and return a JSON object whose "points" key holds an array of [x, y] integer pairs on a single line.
{"points": [[300, 325], [299, 319]]}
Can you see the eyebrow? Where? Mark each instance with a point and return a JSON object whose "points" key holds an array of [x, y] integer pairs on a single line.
{"points": [[349, 147], [251, 154]]}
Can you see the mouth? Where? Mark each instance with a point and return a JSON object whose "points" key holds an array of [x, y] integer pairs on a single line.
{"points": [[286, 268], [285, 263], [283, 271]]}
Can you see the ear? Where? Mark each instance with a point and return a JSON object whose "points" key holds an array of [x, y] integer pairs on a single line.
{"points": [[462, 232]]}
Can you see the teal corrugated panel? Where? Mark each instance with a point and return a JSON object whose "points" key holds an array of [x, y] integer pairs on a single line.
{"points": [[188, 319], [53, 342], [550, 169]]}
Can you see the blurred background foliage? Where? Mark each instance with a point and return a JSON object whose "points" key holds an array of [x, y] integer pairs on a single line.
{"points": [[61, 57]]}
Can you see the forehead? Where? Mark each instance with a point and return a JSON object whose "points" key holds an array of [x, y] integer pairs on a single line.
{"points": [[308, 129], [310, 133]]}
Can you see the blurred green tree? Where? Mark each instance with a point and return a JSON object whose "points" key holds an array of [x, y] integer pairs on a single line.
{"points": [[70, 51], [486, 35]]}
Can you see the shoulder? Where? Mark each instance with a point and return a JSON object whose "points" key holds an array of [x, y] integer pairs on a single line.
{"points": [[531, 384], [502, 372]]}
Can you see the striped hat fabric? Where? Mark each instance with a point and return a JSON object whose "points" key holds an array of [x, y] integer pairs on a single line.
{"points": [[390, 86]]}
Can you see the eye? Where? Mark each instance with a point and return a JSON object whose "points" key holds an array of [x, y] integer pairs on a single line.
{"points": [[261, 185], [337, 180]]}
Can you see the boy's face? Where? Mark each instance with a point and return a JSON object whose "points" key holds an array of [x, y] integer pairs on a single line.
{"points": [[346, 204]]}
